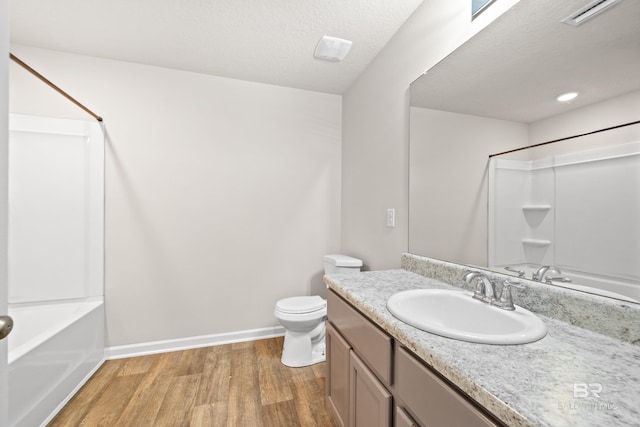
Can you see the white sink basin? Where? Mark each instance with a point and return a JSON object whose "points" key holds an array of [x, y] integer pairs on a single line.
{"points": [[455, 314]]}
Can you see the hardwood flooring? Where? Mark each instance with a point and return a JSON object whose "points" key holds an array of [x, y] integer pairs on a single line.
{"points": [[240, 384]]}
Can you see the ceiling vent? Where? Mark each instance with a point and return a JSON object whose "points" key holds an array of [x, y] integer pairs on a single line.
{"points": [[589, 11], [332, 48]]}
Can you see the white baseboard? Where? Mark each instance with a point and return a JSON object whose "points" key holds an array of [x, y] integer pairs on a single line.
{"points": [[141, 349]]}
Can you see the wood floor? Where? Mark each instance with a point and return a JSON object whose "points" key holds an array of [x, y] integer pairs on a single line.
{"points": [[240, 384]]}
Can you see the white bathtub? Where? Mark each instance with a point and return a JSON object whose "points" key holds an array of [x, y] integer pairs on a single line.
{"points": [[619, 289], [598, 285], [53, 349]]}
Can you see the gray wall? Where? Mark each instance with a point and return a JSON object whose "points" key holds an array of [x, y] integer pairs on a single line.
{"points": [[449, 181]]}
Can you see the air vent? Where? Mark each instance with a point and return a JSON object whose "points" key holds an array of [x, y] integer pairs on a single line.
{"points": [[589, 11]]}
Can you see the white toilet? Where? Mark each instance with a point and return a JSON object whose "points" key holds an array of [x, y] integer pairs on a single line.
{"points": [[303, 318]]}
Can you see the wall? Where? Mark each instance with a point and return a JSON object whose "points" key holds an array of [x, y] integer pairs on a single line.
{"points": [[612, 112], [221, 195], [375, 133], [448, 174]]}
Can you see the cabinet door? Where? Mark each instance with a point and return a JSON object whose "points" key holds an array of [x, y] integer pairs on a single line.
{"points": [[370, 402], [337, 377]]}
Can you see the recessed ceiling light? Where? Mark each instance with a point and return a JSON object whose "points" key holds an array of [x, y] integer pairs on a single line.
{"points": [[567, 96], [332, 48]]}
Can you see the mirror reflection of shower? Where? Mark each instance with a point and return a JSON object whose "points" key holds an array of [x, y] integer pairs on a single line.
{"points": [[575, 213], [55, 255]]}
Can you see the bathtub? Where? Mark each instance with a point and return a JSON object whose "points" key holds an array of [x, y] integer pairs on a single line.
{"points": [[53, 349], [599, 285], [608, 287]]}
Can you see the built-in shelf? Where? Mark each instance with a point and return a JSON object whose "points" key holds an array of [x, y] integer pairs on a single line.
{"points": [[538, 243], [536, 208]]}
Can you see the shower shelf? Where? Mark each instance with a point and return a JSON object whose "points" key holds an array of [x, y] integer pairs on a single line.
{"points": [[537, 243], [536, 208]]}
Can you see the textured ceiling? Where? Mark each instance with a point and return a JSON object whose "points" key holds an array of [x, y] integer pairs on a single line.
{"points": [[268, 41], [515, 68]]}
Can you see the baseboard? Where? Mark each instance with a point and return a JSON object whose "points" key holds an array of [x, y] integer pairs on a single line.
{"points": [[142, 349]]}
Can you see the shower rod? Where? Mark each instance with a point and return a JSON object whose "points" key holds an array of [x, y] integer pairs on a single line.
{"points": [[53, 86], [566, 138]]}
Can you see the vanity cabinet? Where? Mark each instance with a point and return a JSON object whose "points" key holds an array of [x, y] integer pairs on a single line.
{"points": [[373, 382], [358, 368]]}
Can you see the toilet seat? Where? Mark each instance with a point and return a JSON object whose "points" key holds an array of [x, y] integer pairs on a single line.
{"points": [[301, 305]]}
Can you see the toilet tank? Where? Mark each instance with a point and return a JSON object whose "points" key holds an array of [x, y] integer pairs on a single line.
{"points": [[336, 263]]}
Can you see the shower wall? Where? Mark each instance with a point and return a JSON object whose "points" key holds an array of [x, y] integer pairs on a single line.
{"points": [[577, 211], [55, 215]]}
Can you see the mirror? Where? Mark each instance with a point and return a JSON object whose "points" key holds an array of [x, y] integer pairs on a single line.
{"points": [[496, 93]]}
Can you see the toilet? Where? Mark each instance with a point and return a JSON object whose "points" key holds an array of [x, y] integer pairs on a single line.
{"points": [[303, 318]]}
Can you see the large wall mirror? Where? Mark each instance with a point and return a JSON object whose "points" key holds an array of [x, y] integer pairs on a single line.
{"points": [[574, 203]]}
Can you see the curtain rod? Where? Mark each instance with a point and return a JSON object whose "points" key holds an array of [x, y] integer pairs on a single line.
{"points": [[566, 138], [53, 86]]}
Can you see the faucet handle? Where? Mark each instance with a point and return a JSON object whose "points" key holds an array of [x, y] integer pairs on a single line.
{"points": [[505, 301], [562, 279], [480, 289]]}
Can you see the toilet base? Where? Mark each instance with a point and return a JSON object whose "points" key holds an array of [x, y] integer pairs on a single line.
{"points": [[303, 349]]}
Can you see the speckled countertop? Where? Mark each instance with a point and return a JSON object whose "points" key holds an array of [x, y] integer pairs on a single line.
{"points": [[536, 384]]}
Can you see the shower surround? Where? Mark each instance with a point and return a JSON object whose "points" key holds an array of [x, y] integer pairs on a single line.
{"points": [[56, 297]]}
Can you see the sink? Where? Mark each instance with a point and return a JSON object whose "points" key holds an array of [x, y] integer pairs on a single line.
{"points": [[455, 314]]}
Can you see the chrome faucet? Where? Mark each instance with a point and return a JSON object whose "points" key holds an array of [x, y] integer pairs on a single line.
{"points": [[485, 288]]}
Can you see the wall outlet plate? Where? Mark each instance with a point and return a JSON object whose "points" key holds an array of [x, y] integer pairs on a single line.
{"points": [[391, 217]]}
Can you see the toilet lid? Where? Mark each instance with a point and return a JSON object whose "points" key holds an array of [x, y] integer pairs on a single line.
{"points": [[299, 305]]}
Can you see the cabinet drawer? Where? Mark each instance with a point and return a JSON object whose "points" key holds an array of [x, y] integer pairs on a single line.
{"points": [[403, 419], [432, 401], [369, 342]]}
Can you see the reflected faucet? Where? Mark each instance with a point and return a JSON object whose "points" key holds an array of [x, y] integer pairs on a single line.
{"points": [[544, 275], [485, 288], [543, 271]]}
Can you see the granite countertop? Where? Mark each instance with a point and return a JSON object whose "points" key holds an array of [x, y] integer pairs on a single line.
{"points": [[571, 377]]}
